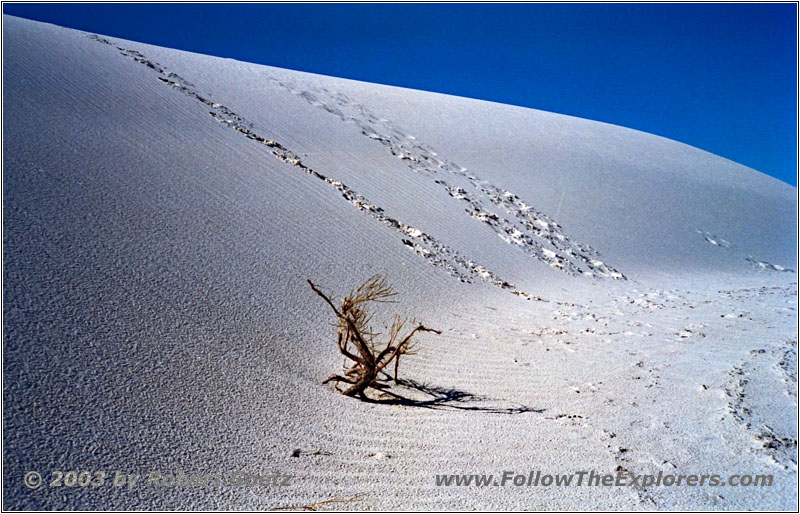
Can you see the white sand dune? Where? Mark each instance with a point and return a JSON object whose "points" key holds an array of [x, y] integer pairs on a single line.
{"points": [[610, 300]]}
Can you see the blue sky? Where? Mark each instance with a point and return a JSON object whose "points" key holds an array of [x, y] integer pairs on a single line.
{"points": [[721, 77]]}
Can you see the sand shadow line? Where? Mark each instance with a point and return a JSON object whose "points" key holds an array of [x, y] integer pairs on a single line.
{"points": [[445, 398]]}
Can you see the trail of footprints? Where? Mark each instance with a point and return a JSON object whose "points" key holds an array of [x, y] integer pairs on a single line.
{"points": [[781, 449], [528, 229], [713, 239], [764, 265], [424, 245], [788, 291], [514, 221], [722, 243]]}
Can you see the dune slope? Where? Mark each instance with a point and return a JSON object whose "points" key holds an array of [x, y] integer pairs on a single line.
{"points": [[162, 211]]}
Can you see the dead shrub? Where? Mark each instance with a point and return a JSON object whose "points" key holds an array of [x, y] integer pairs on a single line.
{"points": [[357, 341]]}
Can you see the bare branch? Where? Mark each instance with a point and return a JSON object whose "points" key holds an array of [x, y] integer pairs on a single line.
{"points": [[394, 351], [320, 293]]}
